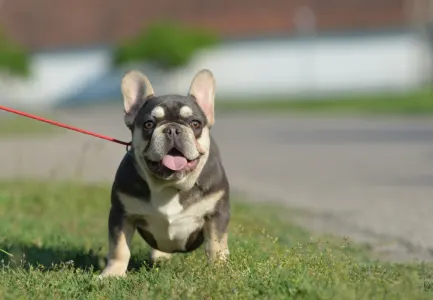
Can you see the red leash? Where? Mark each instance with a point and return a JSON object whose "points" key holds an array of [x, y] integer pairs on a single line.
{"points": [[64, 126]]}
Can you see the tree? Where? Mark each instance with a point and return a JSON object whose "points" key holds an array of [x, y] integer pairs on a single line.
{"points": [[166, 45], [14, 60]]}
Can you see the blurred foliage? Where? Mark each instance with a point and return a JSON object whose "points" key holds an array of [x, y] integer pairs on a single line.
{"points": [[14, 60], [164, 44]]}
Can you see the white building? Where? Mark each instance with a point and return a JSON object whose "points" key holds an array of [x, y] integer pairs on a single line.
{"points": [[304, 58]]}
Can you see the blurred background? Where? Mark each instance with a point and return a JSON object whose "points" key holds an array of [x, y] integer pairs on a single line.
{"points": [[76, 52], [364, 176]]}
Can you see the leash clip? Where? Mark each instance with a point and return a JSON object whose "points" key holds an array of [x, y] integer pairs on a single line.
{"points": [[128, 147]]}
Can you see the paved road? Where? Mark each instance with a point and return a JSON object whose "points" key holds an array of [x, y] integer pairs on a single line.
{"points": [[370, 179]]}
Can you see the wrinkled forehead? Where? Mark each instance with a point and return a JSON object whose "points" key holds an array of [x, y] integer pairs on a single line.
{"points": [[170, 108]]}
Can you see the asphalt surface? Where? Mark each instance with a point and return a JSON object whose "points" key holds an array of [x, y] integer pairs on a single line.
{"points": [[370, 179]]}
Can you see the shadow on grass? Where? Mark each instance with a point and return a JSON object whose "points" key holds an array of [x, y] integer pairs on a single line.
{"points": [[51, 258]]}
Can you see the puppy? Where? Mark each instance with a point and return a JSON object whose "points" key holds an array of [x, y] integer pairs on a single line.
{"points": [[171, 185]]}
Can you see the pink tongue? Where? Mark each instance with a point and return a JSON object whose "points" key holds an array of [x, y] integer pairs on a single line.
{"points": [[174, 163]]}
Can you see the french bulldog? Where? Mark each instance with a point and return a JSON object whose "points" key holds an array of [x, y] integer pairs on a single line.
{"points": [[171, 185]]}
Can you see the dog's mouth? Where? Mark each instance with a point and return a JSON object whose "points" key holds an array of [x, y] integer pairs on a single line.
{"points": [[175, 161]]}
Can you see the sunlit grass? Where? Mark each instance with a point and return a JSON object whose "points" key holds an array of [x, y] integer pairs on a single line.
{"points": [[19, 126], [57, 236], [414, 103]]}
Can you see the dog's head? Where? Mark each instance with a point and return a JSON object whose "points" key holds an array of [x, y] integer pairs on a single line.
{"points": [[170, 133]]}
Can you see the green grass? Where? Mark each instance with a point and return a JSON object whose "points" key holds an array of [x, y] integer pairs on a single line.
{"points": [[418, 103], [16, 125], [56, 234]]}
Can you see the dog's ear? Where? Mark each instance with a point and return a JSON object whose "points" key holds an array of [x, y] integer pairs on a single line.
{"points": [[136, 88], [203, 90]]}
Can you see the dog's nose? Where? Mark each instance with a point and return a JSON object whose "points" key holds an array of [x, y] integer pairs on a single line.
{"points": [[172, 130]]}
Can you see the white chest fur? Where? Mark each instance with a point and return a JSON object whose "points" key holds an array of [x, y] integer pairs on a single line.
{"points": [[167, 220]]}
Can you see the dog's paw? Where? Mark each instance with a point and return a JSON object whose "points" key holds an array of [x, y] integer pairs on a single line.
{"points": [[222, 258], [113, 271], [156, 256], [111, 275], [218, 257]]}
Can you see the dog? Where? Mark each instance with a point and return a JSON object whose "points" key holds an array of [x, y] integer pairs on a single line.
{"points": [[171, 186]]}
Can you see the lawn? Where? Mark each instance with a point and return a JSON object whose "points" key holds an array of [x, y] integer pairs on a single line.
{"points": [[16, 125], [414, 103], [54, 240]]}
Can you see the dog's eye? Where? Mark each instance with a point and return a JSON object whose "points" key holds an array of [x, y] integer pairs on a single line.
{"points": [[149, 124], [195, 124]]}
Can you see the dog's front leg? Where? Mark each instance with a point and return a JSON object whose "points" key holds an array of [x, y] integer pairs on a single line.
{"points": [[121, 230], [215, 235]]}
